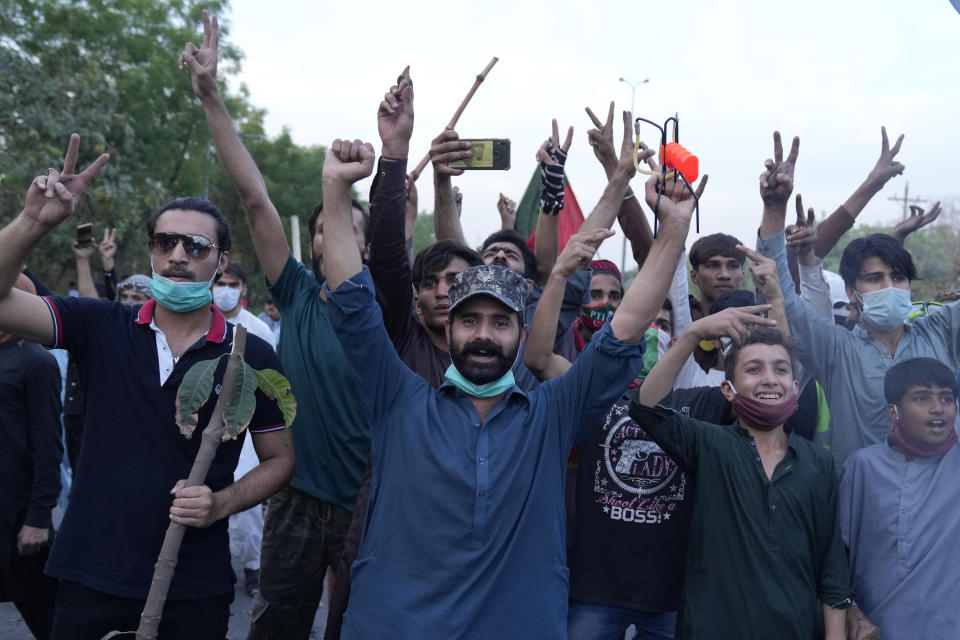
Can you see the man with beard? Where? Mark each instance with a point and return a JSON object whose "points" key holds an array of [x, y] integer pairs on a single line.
{"points": [[464, 536], [306, 521]]}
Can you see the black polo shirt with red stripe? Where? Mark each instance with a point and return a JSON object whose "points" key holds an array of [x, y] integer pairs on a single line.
{"points": [[133, 452]]}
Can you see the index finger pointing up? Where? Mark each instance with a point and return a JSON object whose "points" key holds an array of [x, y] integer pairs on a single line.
{"points": [[750, 253], [777, 148]]}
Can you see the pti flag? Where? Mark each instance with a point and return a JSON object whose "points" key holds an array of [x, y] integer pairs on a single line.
{"points": [[571, 217]]}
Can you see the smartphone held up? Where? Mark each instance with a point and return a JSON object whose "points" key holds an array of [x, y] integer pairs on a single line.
{"points": [[490, 153]]}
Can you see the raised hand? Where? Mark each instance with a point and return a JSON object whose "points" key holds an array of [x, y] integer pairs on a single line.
{"points": [[803, 234], [916, 220], [673, 187], [508, 211], [395, 118], [446, 148], [732, 322], [83, 252], [203, 60], [776, 183], [552, 157], [764, 272], [348, 162], [547, 153], [579, 251], [108, 249], [886, 167], [674, 207], [601, 140], [53, 197]]}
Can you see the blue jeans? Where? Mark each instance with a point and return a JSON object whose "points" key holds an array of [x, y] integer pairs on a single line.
{"points": [[597, 622]]}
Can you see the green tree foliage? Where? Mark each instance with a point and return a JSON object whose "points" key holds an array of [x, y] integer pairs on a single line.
{"points": [[107, 70], [423, 234]]}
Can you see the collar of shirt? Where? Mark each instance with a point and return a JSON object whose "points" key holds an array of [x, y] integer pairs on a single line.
{"points": [[217, 333]]}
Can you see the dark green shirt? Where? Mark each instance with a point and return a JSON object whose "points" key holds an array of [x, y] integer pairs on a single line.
{"points": [[763, 553], [330, 433]]}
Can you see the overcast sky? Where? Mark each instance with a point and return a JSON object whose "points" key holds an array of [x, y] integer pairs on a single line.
{"points": [[830, 72]]}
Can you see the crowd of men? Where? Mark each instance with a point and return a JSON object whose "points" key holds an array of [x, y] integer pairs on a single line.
{"points": [[504, 442]]}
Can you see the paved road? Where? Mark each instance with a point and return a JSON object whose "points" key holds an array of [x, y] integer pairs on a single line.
{"points": [[12, 627]]}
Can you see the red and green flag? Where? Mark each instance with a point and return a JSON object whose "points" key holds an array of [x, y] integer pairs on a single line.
{"points": [[571, 216]]}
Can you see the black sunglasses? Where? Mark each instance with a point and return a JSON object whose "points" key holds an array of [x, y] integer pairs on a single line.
{"points": [[196, 246]]}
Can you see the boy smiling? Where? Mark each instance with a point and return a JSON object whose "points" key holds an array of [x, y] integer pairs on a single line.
{"points": [[765, 556]]}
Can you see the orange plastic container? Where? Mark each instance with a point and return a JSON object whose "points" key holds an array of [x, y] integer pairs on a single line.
{"points": [[675, 156]]}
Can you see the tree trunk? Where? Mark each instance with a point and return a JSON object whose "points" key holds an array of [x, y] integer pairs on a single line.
{"points": [[212, 435]]}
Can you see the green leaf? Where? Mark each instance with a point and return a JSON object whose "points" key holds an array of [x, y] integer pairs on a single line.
{"points": [[114, 634], [277, 388], [239, 412], [193, 393]]}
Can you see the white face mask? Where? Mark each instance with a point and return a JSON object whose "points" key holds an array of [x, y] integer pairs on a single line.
{"points": [[226, 298]]}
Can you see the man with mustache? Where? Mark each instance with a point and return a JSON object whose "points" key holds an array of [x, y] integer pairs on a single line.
{"points": [[464, 536], [131, 361]]}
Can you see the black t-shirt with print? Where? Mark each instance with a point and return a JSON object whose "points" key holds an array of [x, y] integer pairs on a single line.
{"points": [[633, 517]]}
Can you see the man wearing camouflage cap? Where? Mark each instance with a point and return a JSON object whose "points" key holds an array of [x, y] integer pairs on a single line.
{"points": [[134, 290], [465, 523]]}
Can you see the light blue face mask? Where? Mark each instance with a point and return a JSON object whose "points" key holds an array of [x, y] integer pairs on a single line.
{"points": [[886, 309], [180, 296], [487, 390]]}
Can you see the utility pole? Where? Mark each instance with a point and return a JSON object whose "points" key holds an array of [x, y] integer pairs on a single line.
{"points": [[906, 199], [633, 94]]}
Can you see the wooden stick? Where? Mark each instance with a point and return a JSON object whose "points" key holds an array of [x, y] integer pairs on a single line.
{"points": [[456, 115], [212, 435]]}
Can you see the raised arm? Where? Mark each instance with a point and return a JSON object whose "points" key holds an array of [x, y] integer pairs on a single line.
{"points": [[764, 272], [841, 220], [269, 239], [389, 261], [632, 220], [917, 220], [446, 148], [50, 200], [552, 157], [733, 322], [648, 290], [108, 251], [810, 284], [776, 185], [85, 286], [346, 163], [618, 181], [539, 355]]}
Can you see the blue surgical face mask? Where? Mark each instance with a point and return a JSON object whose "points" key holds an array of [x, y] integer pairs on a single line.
{"points": [[180, 296], [886, 309], [487, 390]]}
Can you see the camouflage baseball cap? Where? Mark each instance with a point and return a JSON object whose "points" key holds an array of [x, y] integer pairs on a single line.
{"points": [[138, 282], [497, 281]]}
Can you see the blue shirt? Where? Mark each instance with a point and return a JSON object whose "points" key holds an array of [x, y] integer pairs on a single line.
{"points": [[901, 524], [465, 524], [851, 365]]}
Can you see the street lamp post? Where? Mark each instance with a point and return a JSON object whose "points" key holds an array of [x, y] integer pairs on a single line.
{"points": [[633, 92]]}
